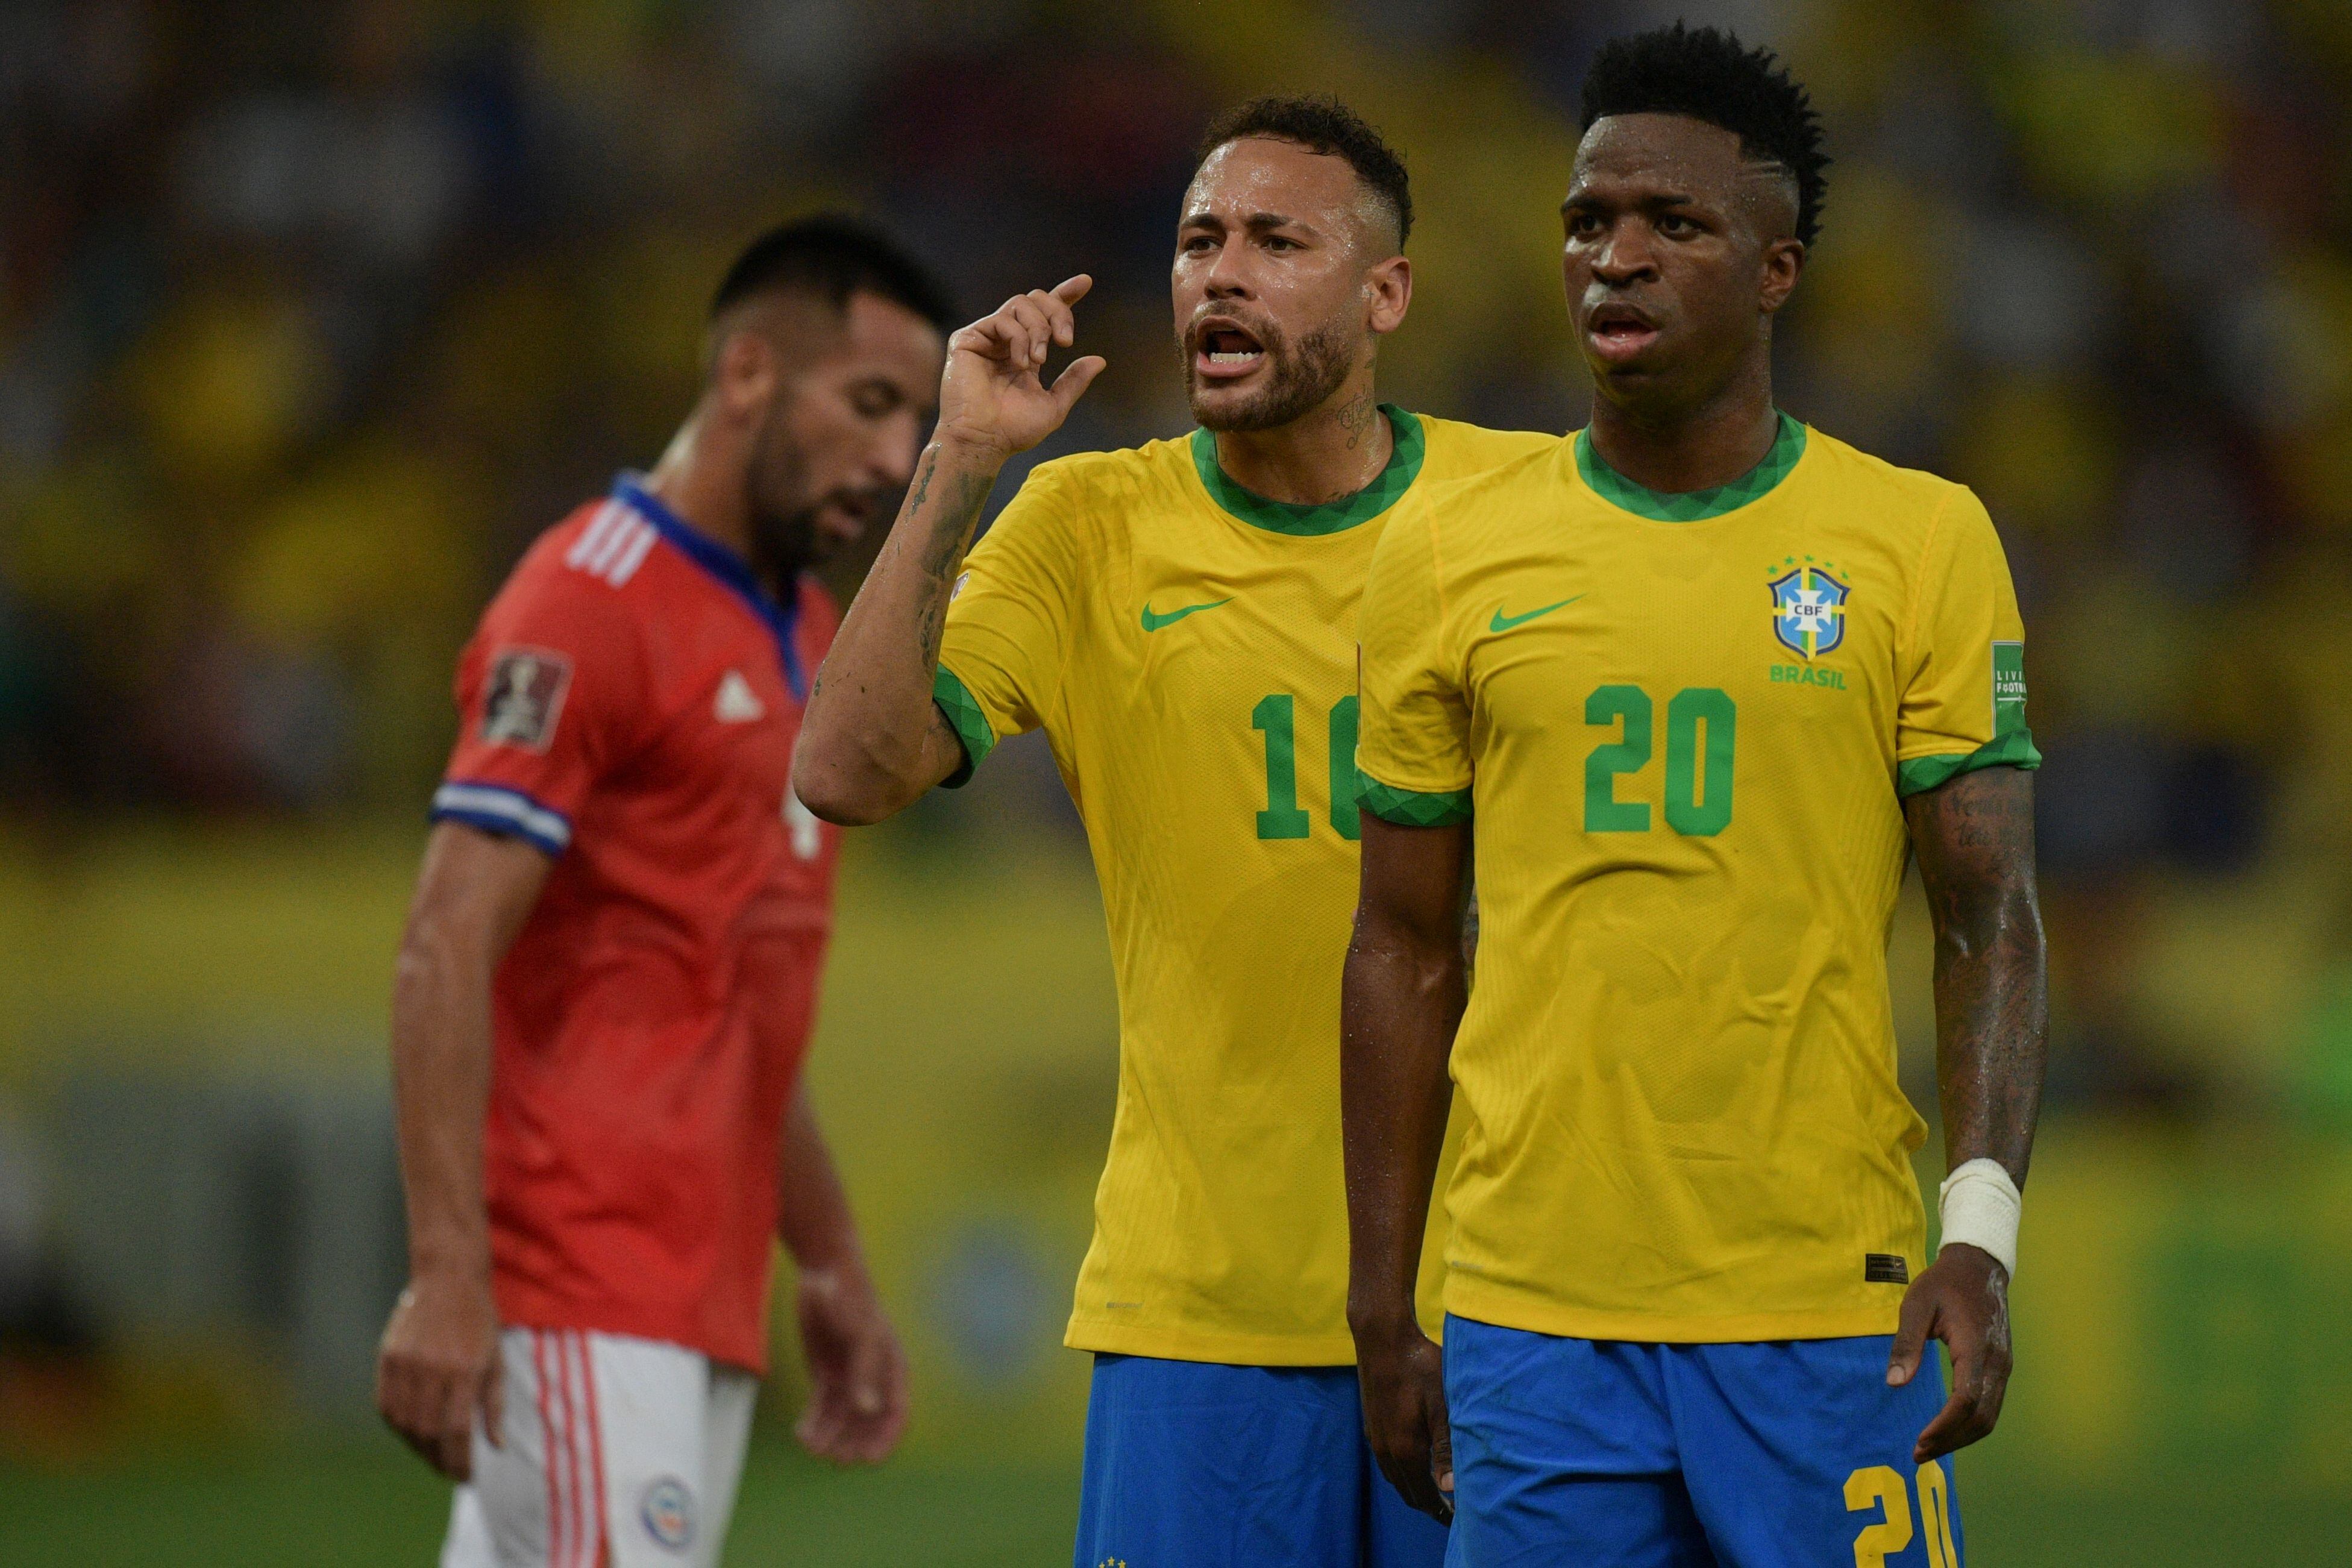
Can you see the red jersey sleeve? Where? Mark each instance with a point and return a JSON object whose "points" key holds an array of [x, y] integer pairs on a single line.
{"points": [[548, 692]]}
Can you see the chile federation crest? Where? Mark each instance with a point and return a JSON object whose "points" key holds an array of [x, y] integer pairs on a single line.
{"points": [[1809, 611]]}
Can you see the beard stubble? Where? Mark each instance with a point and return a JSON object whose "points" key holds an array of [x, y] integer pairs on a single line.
{"points": [[1302, 380]]}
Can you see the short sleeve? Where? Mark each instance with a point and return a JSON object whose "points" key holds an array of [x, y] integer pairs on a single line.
{"points": [[1962, 658], [548, 692], [1413, 747], [1009, 619]]}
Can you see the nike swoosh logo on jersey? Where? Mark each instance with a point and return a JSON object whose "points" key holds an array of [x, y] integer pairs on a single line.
{"points": [[1502, 623], [1152, 623]]}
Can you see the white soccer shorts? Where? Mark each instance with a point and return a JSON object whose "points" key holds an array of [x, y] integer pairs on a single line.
{"points": [[614, 1453]]}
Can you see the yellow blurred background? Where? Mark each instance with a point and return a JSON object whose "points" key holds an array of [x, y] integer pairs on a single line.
{"points": [[311, 315]]}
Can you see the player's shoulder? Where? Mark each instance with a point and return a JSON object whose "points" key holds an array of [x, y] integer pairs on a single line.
{"points": [[1124, 473], [597, 574], [1086, 496], [1523, 470], [601, 548], [1890, 495], [1455, 449]]}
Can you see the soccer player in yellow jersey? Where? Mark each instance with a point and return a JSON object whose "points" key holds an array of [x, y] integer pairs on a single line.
{"points": [[1697, 681], [1180, 621]]}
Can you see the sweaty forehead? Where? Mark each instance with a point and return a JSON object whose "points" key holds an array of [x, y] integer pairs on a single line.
{"points": [[1673, 153], [1261, 175]]}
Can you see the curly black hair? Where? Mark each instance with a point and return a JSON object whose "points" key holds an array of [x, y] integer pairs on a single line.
{"points": [[1708, 74], [1320, 124]]}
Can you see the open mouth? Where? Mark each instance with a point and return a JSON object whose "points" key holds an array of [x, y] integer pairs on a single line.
{"points": [[1223, 351], [1619, 332]]}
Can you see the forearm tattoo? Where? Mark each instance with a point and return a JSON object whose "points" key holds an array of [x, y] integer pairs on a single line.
{"points": [[1974, 837], [943, 534]]}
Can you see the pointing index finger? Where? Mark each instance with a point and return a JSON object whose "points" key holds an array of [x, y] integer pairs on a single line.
{"points": [[1070, 291]]}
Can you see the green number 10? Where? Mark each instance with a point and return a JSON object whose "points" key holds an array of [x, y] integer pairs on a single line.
{"points": [[1282, 818], [1698, 770]]}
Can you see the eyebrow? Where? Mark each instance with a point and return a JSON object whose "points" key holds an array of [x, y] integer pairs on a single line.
{"points": [[1668, 199], [1255, 221]]}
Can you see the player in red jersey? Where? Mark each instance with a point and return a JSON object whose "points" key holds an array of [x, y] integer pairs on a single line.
{"points": [[610, 970]]}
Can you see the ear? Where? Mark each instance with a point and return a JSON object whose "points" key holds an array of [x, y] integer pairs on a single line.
{"points": [[1784, 261], [1387, 291], [743, 373]]}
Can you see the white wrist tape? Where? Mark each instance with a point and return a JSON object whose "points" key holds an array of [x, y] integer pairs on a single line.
{"points": [[1980, 1208]]}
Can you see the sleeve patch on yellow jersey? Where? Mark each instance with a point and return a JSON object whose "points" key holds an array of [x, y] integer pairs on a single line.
{"points": [[963, 715], [2007, 687], [1411, 808], [2011, 745]]}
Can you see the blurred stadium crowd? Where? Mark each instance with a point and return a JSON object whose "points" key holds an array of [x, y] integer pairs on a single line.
{"points": [[311, 314]]}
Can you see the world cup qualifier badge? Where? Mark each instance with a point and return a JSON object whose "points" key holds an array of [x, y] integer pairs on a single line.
{"points": [[524, 697], [1808, 606]]}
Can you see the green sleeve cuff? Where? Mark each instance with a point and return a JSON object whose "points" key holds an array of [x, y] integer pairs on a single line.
{"points": [[2015, 750], [1411, 808], [962, 710]]}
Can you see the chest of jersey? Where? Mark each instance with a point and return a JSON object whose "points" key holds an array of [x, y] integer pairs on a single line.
{"points": [[1664, 670], [717, 765], [1238, 655]]}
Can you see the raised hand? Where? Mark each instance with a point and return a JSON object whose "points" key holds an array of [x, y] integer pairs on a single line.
{"points": [[993, 398]]}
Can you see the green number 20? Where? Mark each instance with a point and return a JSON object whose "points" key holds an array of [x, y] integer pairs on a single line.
{"points": [[1698, 772], [1282, 818]]}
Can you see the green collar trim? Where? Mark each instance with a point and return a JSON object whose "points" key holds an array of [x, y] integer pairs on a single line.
{"points": [[1693, 506], [1330, 516]]}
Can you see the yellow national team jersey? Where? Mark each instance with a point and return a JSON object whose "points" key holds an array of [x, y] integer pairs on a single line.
{"points": [[1190, 650], [1681, 727]]}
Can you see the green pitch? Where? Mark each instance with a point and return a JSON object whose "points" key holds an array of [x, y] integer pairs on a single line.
{"points": [[367, 1504]]}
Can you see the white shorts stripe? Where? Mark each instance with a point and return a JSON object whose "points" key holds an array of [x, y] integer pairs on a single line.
{"points": [[582, 1394], [549, 1449], [596, 1447], [584, 1506], [614, 1452]]}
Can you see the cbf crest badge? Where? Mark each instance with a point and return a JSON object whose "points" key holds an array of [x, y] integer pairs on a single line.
{"points": [[1808, 608]]}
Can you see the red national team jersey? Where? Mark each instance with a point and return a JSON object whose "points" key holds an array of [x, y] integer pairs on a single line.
{"points": [[629, 706]]}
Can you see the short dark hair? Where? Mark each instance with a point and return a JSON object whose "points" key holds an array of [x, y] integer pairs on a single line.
{"points": [[833, 256], [1708, 74], [1320, 124]]}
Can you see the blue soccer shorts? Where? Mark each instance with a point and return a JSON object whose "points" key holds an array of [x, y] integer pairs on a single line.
{"points": [[1200, 1465], [1778, 1454]]}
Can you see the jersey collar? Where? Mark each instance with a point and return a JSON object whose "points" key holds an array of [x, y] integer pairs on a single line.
{"points": [[731, 569], [1330, 516], [1692, 506]]}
